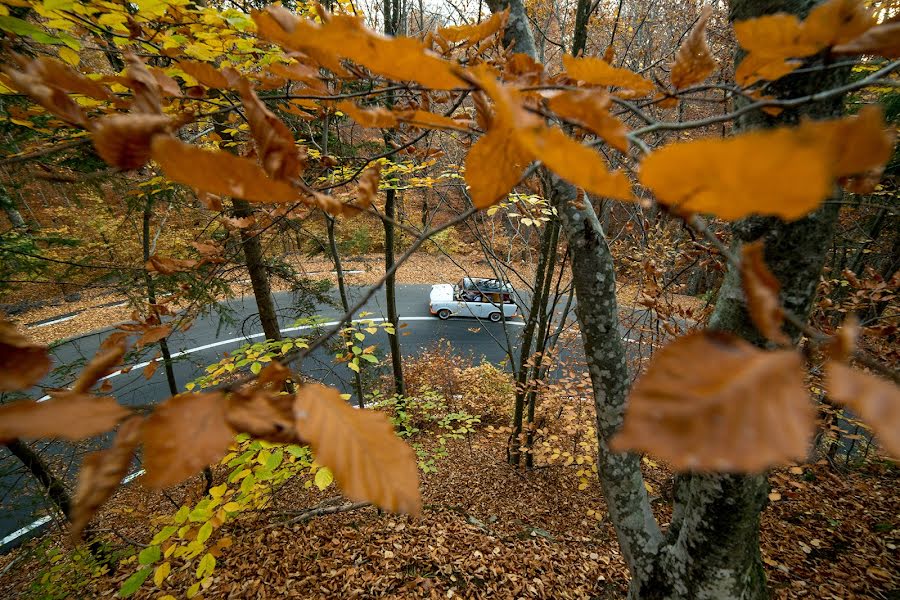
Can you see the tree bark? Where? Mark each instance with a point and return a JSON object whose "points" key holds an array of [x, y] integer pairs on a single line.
{"points": [[55, 488], [259, 275]]}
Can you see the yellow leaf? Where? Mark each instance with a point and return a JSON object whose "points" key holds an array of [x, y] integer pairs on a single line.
{"points": [[472, 34], [493, 166], [698, 418], [369, 461], [323, 478], [218, 491], [597, 71], [694, 61], [162, 571], [70, 56], [399, 58]]}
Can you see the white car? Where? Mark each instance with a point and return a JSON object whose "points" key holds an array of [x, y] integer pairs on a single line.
{"points": [[473, 297]]}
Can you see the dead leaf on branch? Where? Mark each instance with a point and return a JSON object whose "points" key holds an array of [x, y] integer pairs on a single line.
{"points": [[366, 190], [475, 33], [694, 61], [102, 472], [183, 435], [22, 362], [123, 141], [280, 156], [843, 344], [377, 116], [748, 413], [761, 288], [590, 109], [369, 461], [169, 266], [597, 71], [397, 58], [60, 75], [874, 399], [147, 98], [881, 40], [153, 334], [219, 173], [784, 172], [52, 98], [108, 356], [205, 73], [67, 415]]}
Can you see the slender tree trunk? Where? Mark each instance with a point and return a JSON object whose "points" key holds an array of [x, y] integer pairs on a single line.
{"points": [[345, 301], [259, 274], [55, 488], [151, 298]]}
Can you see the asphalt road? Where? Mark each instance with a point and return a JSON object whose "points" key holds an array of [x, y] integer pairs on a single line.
{"points": [[21, 501]]}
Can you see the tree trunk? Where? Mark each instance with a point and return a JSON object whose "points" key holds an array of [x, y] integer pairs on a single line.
{"points": [[345, 301], [259, 275], [55, 488], [151, 298]]}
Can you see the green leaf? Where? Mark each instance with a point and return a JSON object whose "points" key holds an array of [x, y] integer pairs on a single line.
{"points": [[134, 582], [206, 566], [324, 477], [274, 460], [59, 4], [369, 358], [149, 555], [182, 515], [164, 534], [205, 531], [255, 368], [26, 29], [353, 366], [359, 336]]}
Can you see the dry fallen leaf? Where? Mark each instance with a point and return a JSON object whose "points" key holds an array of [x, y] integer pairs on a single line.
{"points": [[369, 461], [875, 400], [183, 435], [101, 472], [750, 412], [66, 415], [761, 288], [22, 362], [694, 62]]}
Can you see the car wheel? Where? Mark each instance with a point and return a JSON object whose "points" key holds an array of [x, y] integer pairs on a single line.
{"points": [[495, 317], [443, 314]]}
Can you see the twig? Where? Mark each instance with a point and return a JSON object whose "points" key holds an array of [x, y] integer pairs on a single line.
{"points": [[320, 511]]}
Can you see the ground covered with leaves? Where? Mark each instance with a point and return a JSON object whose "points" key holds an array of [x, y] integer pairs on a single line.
{"points": [[487, 531]]}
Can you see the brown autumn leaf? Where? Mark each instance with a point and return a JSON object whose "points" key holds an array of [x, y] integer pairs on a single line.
{"points": [[150, 369], [430, 120], [299, 72], [67, 415], [218, 173], [275, 145], [400, 58], [843, 343], [204, 73], [58, 74], [837, 22], [153, 334], [694, 61], [783, 172], [575, 163], [369, 461], [52, 98], [366, 190], [750, 412], [166, 84], [22, 362], [264, 414], [874, 399], [123, 141], [473, 34], [377, 116], [761, 288], [881, 40], [210, 201], [597, 71], [590, 109], [183, 435], [106, 359], [147, 98], [168, 266], [494, 165], [101, 473]]}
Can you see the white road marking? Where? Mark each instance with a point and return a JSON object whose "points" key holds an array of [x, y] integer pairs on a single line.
{"points": [[20, 532], [53, 322]]}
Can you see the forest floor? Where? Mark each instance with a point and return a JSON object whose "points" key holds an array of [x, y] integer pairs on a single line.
{"points": [[489, 531], [102, 307]]}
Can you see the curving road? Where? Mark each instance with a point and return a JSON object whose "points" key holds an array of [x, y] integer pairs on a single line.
{"points": [[24, 510]]}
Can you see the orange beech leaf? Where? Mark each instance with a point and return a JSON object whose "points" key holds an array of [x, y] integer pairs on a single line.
{"points": [[168, 266], [473, 34], [590, 109], [837, 22], [784, 172], [22, 362], [123, 141], [858, 144], [204, 73], [761, 288], [264, 414], [756, 68], [748, 413], [147, 98], [430, 120], [366, 190], [377, 116], [101, 473], [106, 359], [881, 40], [874, 399], [166, 84], [183, 435], [67, 415], [210, 201], [597, 71], [275, 145], [369, 461], [494, 165], [218, 173], [843, 343], [150, 369], [52, 98], [575, 163], [64, 77], [153, 334], [694, 62], [399, 58]]}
